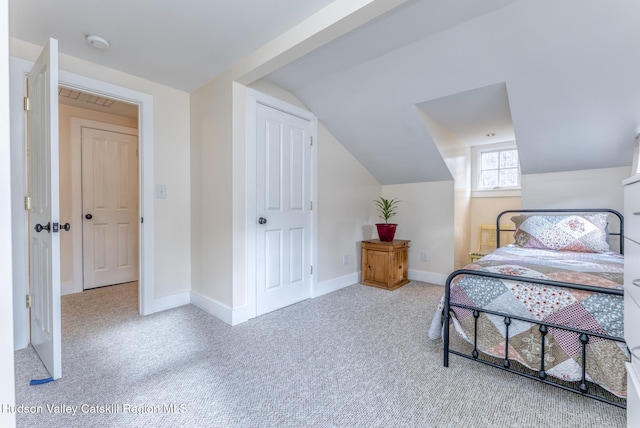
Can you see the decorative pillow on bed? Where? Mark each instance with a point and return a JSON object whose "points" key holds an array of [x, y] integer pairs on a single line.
{"points": [[584, 233]]}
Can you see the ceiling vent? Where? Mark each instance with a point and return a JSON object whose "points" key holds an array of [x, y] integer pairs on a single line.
{"points": [[87, 98]]}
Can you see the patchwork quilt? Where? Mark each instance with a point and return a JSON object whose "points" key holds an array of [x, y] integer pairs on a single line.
{"points": [[595, 312]]}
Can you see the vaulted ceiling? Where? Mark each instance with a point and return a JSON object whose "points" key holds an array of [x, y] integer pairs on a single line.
{"points": [[560, 77]]}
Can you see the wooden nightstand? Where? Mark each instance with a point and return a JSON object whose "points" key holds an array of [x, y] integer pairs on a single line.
{"points": [[385, 264]]}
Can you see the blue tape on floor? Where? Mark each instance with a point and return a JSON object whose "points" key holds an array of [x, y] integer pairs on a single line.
{"points": [[40, 381]]}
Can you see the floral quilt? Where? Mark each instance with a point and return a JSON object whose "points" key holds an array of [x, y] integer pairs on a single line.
{"points": [[595, 312]]}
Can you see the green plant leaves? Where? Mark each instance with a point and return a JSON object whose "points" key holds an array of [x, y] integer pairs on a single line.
{"points": [[386, 207]]}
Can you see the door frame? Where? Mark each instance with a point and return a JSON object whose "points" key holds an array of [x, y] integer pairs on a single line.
{"points": [[253, 99], [19, 69], [7, 372], [76, 188]]}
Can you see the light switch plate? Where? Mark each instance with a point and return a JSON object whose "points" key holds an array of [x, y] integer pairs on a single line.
{"points": [[161, 191]]}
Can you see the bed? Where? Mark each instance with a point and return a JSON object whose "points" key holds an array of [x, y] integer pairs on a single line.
{"points": [[549, 306]]}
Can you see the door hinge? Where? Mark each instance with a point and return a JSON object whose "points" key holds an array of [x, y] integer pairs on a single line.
{"points": [[141, 219], [311, 270], [26, 104], [311, 205], [27, 203], [29, 301], [311, 140]]}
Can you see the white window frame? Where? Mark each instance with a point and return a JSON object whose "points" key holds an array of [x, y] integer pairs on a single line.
{"points": [[476, 170]]}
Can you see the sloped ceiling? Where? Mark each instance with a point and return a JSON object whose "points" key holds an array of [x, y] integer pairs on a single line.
{"points": [[473, 116], [570, 71], [567, 71]]}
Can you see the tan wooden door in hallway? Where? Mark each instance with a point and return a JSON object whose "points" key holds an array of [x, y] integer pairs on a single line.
{"points": [[109, 207]]}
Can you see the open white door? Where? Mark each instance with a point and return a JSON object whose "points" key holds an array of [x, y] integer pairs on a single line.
{"points": [[44, 229]]}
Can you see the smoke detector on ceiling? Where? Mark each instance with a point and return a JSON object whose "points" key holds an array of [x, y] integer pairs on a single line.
{"points": [[97, 42]]}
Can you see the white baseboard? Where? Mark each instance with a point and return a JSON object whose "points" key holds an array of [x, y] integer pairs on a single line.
{"points": [[240, 315], [235, 316], [212, 307], [21, 342], [67, 288], [335, 284], [170, 302], [430, 277]]}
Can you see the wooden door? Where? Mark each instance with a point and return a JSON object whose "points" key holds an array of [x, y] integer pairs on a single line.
{"points": [[283, 175], [109, 207], [44, 232]]}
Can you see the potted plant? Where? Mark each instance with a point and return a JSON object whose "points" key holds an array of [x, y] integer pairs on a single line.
{"points": [[387, 209]]}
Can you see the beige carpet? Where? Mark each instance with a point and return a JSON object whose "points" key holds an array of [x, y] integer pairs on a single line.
{"points": [[358, 357]]}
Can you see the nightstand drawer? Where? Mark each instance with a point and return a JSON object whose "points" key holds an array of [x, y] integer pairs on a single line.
{"points": [[632, 211]]}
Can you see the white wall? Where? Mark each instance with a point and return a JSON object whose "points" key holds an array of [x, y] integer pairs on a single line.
{"points": [[457, 157], [592, 188], [426, 217], [346, 191], [462, 211], [7, 385], [211, 172]]}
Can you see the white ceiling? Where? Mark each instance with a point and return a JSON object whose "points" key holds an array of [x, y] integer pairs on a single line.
{"points": [[562, 77], [182, 44]]}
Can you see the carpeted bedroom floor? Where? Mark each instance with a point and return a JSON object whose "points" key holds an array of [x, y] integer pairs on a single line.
{"points": [[358, 357]]}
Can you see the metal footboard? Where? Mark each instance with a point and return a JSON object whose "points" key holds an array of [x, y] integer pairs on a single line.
{"points": [[541, 375]]}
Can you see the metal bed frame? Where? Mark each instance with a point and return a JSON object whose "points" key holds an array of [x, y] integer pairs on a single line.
{"points": [[584, 335]]}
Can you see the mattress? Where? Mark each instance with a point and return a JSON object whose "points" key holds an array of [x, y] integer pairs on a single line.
{"points": [[594, 312]]}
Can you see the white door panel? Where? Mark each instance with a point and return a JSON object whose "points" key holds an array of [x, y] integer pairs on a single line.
{"points": [[283, 197], [44, 235], [110, 207]]}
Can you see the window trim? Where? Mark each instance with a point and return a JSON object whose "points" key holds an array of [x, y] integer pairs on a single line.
{"points": [[476, 169]]}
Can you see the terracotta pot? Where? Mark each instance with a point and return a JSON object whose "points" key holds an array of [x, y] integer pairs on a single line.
{"points": [[386, 231]]}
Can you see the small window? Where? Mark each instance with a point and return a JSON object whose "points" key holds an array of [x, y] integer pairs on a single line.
{"points": [[499, 169], [495, 168]]}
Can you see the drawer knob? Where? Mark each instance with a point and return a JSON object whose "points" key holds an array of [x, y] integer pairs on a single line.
{"points": [[636, 282]]}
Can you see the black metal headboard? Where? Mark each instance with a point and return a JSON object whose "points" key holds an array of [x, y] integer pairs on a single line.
{"points": [[564, 210]]}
